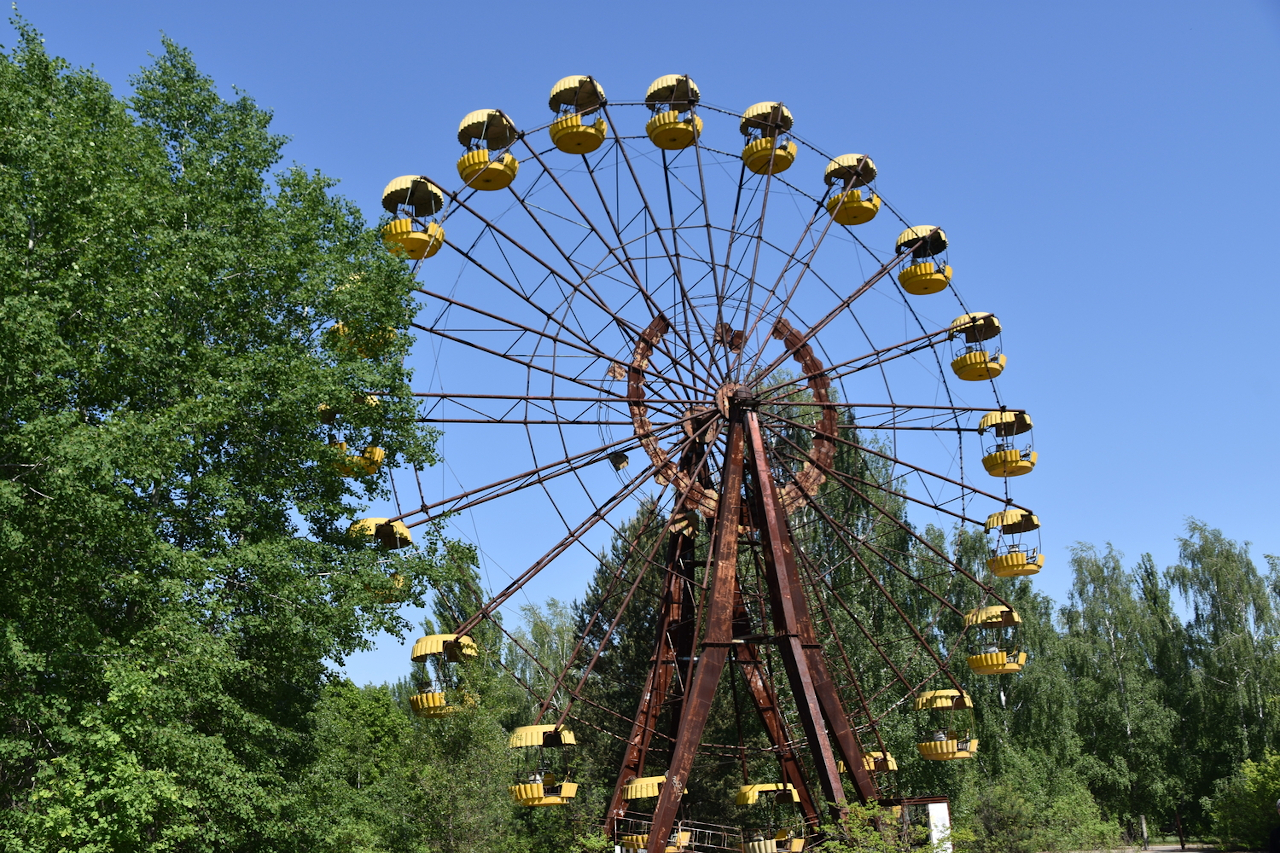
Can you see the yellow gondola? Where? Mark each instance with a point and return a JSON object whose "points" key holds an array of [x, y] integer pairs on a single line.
{"points": [[573, 99], [996, 628], [947, 725], [920, 276], [439, 650], [671, 99], [1004, 459], [483, 132], [977, 360], [542, 779], [764, 126], [412, 198], [1010, 557], [851, 172]]}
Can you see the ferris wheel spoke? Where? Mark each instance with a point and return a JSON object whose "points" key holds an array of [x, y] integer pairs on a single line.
{"points": [[666, 380], [808, 334], [691, 315], [816, 579], [535, 694], [564, 544], [583, 288], [870, 359], [627, 261], [584, 274], [897, 461], [653, 220], [457, 303], [897, 608], [535, 476], [517, 291], [847, 536], [706, 215], [792, 259], [646, 562], [895, 416]]}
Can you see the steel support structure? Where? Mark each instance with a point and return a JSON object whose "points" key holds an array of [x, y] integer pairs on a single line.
{"points": [[745, 478]]}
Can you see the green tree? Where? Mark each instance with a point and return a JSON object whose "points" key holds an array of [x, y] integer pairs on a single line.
{"points": [[173, 569], [1125, 727], [1243, 808], [1231, 677]]}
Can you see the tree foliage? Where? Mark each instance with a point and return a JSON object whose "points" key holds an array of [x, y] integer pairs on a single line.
{"points": [[174, 575]]}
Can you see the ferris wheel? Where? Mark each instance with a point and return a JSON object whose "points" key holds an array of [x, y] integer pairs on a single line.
{"points": [[691, 330]]}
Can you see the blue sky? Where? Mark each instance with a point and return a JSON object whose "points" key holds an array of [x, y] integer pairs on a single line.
{"points": [[1106, 173]]}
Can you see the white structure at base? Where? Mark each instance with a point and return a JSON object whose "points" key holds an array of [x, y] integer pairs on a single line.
{"points": [[940, 827]]}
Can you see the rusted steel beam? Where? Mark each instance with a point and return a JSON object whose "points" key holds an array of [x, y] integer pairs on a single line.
{"points": [[667, 651], [716, 641], [766, 702], [816, 696]]}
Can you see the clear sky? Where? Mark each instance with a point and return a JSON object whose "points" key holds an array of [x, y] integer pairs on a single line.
{"points": [[1106, 172]]}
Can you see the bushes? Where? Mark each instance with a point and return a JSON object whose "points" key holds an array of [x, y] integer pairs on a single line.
{"points": [[1243, 808]]}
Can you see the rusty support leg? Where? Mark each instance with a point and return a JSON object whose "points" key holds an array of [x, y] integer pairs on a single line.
{"points": [[716, 641], [766, 702], [670, 646], [816, 697]]}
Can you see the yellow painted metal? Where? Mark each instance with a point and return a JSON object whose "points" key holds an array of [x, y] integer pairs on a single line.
{"points": [[479, 172], [850, 170], [1012, 521], [978, 365], [995, 616], [422, 197], [577, 92], [1010, 463], [1015, 564], [997, 663], [947, 750], [924, 240], [943, 700], [390, 534], [1005, 424], [367, 346], [975, 327], [430, 705], [768, 117], [788, 843], [763, 158], [452, 646], [670, 132], [366, 463], [434, 705], [526, 791], [527, 736], [549, 793], [571, 136], [878, 762], [682, 838], [488, 126], [923, 279], [750, 794], [676, 91], [767, 845], [643, 787], [849, 208], [399, 233]]}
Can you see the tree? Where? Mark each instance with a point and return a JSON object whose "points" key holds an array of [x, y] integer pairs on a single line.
{"points": [[1231, 676], [174, 576], [1125, 727]]}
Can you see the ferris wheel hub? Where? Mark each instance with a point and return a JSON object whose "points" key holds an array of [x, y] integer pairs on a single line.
{"points": [[729, 391]]}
